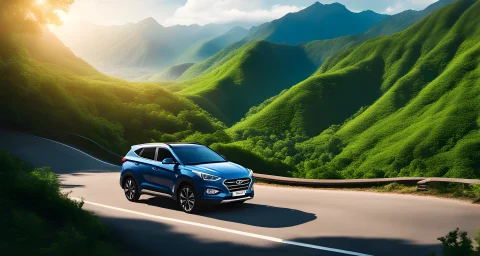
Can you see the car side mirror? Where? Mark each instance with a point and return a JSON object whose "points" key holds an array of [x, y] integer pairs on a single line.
{"points": [[168, 161]]}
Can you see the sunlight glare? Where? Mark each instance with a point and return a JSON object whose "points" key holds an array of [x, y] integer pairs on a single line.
{"points": [[63, 16], [40, 2]]}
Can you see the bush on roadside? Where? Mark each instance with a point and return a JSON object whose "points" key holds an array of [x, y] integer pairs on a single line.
{"points": [[36, 218], [457, 243]]}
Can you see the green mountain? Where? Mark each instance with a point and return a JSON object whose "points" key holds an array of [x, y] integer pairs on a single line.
{"points": [[320, 50], [172, 73], [45, 86], [144, 45], [257, 73], [401, 105], [317, 22], [203, 50], [312, 23]]}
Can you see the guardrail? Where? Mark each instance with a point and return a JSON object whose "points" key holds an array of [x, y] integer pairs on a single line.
{"points": [[422, 182]]}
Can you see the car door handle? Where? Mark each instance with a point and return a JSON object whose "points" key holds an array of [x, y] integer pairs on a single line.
{"points": [[136, 163], [154, 168]]}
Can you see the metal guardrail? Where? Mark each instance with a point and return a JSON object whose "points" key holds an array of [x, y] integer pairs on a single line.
{"points": [[421, 182], [337, 182]]}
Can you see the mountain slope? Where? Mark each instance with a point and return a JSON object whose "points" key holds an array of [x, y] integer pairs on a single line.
{"points": [[172, 73], [203, 50], [319, 51], [44, 86], [409, 104], [259, 72], [311, 23], [315, 23], [146, 44]]}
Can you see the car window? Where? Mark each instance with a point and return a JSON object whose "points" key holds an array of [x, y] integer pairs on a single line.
{"points": [[148, 153], [196, 154], [138, 151], [164, 153]]}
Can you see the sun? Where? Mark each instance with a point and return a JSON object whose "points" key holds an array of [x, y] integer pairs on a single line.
{"points": [[64, 17]]}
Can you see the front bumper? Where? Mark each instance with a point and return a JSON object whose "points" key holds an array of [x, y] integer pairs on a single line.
{"points": [[224, 196], [228, 199]]}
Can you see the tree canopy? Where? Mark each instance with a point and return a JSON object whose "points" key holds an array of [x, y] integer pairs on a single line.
{"points": [[26, 16]]}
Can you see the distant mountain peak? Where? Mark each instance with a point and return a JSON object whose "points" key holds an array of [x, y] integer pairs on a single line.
{"points": [[149, 22], [333, 7]]}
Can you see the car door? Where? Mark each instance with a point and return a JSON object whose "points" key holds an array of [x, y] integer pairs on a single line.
{"points": [[146, 163], [164, 175]]}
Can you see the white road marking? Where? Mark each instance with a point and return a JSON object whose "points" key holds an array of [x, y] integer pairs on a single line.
{"points": [[242, 233]]}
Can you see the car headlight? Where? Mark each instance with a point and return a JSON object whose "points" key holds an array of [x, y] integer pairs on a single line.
{"points": [[206, 176], [251, 173]]}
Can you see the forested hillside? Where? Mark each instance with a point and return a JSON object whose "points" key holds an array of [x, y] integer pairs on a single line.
{"points": [[402, 105], [44, 86]]}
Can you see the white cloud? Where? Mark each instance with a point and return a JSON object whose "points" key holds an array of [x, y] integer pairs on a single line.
{"points": [[223, 11], [398, 7]]}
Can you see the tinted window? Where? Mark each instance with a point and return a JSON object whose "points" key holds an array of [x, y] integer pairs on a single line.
{"points": [[149, 153], [196, 154], [164, 153], [138, 151]]}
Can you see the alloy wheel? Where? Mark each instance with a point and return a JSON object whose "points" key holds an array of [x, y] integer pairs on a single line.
{"points": [[187, 199], [130, 189]]}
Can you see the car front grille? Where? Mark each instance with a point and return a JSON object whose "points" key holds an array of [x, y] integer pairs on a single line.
{"points": [[237, 184]]}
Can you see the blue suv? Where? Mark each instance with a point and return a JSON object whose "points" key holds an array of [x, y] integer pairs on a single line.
{"points": [[189, 173]]}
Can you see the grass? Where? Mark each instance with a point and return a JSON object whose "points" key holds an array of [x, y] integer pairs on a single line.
{"points": [[38, 219]]}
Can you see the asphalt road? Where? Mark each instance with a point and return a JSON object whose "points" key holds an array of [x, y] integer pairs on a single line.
{"points": [[278, 221]]}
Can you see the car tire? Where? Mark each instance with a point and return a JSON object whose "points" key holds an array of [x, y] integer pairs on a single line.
{"points": [[188, 199], [131, 190]]}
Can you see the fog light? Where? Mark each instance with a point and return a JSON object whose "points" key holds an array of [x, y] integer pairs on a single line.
{"points": [[211, 191]]}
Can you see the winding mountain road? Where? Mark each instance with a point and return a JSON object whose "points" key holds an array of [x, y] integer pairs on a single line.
{"points": [[278, 221]]}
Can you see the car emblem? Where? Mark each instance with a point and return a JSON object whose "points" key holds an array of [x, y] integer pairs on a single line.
{"points": [[239, 182]]}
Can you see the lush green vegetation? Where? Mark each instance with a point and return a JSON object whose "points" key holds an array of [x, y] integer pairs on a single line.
{"points": [[257, 73], [458, 243], [38, 219], [402, 105], [319, 51], [312, 23], [61, 92], [172, 73], [204, 49]]}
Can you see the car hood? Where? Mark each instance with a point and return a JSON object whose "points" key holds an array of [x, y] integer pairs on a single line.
{"points": [[226, 170]]}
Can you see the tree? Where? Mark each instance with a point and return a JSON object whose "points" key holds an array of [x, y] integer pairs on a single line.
{"points": [[27, 16]]}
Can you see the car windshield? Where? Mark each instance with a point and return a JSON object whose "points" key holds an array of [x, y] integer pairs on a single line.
{"points": [[196, 154]]}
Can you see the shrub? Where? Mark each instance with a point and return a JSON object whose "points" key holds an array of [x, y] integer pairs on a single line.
{"points": [[38, 219], [457, 243]]}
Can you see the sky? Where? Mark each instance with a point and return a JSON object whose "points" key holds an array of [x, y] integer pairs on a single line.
{"points": [[186, 12]]}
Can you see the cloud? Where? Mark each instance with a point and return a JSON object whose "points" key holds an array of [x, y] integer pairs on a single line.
{"points": [[216, 11], [399, 7]]}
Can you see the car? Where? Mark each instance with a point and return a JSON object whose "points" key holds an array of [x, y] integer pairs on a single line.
{"points": [[190, 173]]}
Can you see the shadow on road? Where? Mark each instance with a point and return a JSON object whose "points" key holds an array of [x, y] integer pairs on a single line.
{"points": [[145, 237], [247, 213]]}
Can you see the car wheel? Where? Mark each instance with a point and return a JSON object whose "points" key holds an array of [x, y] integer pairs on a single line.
{"points": [[188, 199], [131, 190]]}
